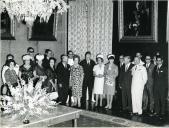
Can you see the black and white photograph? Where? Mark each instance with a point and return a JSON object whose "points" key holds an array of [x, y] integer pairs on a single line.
{"points": [[84, 63]]}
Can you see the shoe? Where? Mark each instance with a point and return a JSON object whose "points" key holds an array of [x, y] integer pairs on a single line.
{"points": [[150, 114], [161, 117], [135, 114], [139, 115], [131, 113], [155, 114], [106, 107], [110, 107]]}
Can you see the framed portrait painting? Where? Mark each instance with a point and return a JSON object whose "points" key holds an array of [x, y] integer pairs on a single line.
{"points": [[7, 27], [44, 31], [138, 21]]}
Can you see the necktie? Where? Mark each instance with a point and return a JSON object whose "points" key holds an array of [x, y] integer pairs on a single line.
{"points": [[158, 69], [126, 68], [65, 65], [147, 66]]}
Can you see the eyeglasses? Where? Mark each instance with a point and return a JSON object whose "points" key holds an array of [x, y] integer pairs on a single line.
{"points": [[31, 51], [158, 60]]}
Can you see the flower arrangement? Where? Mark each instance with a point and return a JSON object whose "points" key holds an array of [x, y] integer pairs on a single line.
{"points": [[27, 100], [28, 10]]}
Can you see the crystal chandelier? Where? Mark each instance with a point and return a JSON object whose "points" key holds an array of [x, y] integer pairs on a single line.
{"points": [[28, 10]]}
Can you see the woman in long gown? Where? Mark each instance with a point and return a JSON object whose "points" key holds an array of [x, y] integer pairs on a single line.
{"points": [[98, 72], [76, 80], [111, 72], [26, 70], [51, 76]]}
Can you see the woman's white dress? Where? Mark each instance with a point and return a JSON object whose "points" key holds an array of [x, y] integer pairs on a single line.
{"points": [[98, 82]]}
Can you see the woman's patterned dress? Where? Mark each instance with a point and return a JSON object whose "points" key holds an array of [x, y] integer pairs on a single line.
{"points": [[76, 80]]}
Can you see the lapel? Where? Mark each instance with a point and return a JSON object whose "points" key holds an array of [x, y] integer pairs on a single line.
{"points": [[160, 69], [130, 66], [87, 63], [63, 66]]}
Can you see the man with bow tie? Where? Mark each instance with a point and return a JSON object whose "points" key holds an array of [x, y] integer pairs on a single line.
{"points": [[148, 99], [139, 79], [160, 87]]}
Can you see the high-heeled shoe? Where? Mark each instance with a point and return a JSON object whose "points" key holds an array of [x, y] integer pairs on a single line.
{"points": [[106, 107], [110, 107]]}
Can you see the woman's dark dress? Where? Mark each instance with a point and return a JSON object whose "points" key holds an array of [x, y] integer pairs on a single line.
{"points": [[26, 73], [51, 75], [40, 71]]}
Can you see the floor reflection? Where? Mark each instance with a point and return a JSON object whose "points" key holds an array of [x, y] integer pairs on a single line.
{"points": [[116, 111]]}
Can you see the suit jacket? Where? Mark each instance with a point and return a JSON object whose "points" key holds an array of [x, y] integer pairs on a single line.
{"points": [[88, 69], [161, 78], [63, 74], [119, 75], [120, 67], [45, 63], [125, 78], [150, 71]]}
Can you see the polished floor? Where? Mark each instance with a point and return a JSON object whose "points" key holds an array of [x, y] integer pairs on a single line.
{"points": [[85, 121], [116, 111]]}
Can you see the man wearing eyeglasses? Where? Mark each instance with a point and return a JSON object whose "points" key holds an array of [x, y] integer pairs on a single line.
{"points": [[31, 52], [148, 99], [160, 87]]}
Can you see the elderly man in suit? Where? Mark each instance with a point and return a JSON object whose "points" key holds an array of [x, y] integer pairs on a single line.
{"points": [[63, 74], [148, 99], [88, 81], [125, 83], [160, 87], [139, 80]]}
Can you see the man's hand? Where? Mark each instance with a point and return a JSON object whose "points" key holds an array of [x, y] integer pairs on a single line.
{"points": [[60, 85]]}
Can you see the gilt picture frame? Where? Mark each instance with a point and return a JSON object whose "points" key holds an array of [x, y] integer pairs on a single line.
{"points": [[8, 26], [138, 21], [44, 31]]}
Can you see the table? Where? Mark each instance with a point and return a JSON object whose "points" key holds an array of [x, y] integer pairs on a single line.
{"points": [[56, 115]]}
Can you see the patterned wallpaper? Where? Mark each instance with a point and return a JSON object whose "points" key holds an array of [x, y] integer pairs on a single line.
{"points": [[90, 27]]}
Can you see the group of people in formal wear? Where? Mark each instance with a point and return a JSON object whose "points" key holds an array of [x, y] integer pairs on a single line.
{"points": [[143, 85]]}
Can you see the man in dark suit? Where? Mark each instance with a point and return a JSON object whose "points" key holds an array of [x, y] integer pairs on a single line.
{"points": [[31, 52], [118, 86], [148, 99], [160, 87], [63, 74], [48, 54], [88, 81], [125, 80]]}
